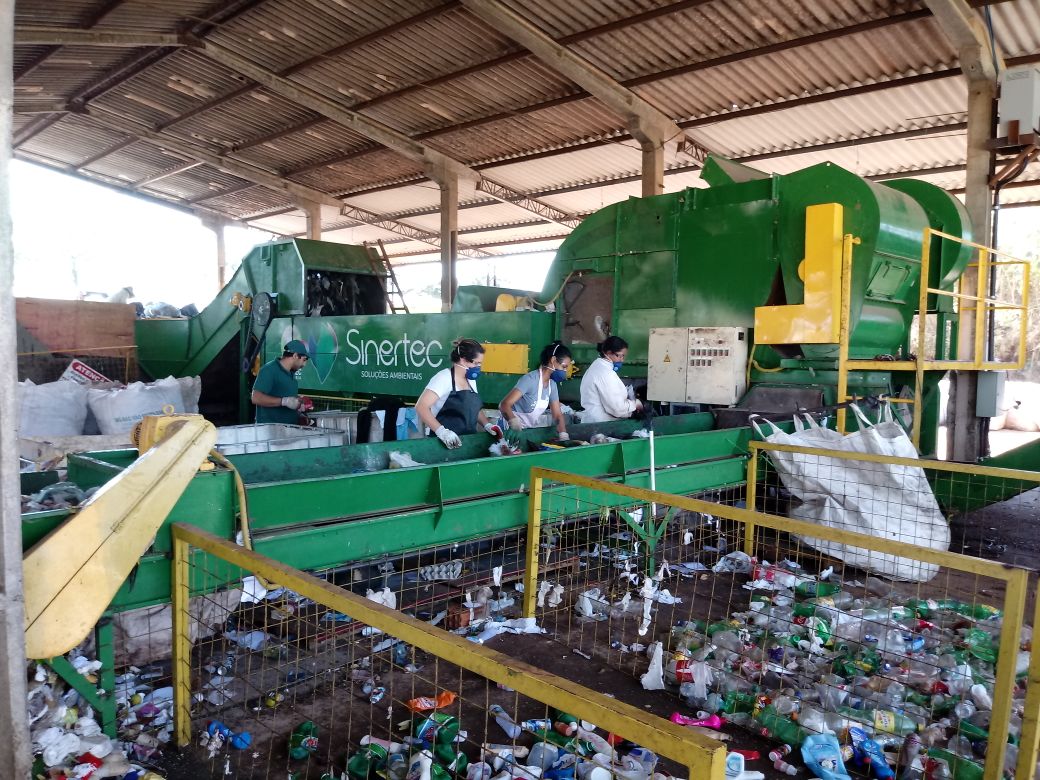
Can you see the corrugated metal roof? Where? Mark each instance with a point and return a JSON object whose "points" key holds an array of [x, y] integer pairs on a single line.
{"points": [[869, 84]]}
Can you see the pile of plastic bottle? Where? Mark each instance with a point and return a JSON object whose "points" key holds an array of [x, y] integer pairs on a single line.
{"points": [[565, 748], [899, 682]]}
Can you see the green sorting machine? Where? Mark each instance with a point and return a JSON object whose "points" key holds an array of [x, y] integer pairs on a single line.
{"points": [[730, 297], [717, 265]]}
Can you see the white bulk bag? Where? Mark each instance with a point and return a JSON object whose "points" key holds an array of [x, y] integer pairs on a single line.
{"points": [[117, 411], [52, 409], [878, 499]]}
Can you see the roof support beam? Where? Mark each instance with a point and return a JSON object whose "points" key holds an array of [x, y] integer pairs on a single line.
{"points": [[165, 174], [441, 168], [505, 194], [253, 173], [37, 35], [116, 147], [92, 20], [449, 241], [244, 170], [364, 217], [648, 125], [982, 66], [436, 163]]}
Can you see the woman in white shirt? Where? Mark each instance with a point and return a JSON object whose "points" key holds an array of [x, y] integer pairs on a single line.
{"points": [[450, 406], [536, 392], [604, 396]]}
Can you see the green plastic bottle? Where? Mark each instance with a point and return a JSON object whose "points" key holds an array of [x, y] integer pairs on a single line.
{"points": [[962, 768], [569, 744], [779, 727], [721, 625], [438, 727], [734, 701], [977, 611], [453, 760], [881, 720], [812, 588], [366, 761], [303, 741], [980, 644], [920, 607]]}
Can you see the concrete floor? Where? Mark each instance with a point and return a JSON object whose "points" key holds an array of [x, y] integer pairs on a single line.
{"points": [[999, 441]]}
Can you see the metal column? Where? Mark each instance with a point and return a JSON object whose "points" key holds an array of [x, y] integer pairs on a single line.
{"points": [[449, 238], [15, 752], [965, 441]]}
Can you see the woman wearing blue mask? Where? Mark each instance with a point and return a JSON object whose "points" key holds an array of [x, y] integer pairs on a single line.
{"points": [[450, 406], [604, 396], [536, 392]]}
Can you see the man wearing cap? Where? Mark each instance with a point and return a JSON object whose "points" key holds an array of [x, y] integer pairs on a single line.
{"points": [[275, 391]]}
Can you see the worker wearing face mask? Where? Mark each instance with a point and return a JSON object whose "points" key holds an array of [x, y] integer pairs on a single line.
{"points": [[603, 395], [450, 406], [536, 392]]}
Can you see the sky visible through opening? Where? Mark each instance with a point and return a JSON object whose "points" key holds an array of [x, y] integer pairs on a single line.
{"points": [[73, 237]]}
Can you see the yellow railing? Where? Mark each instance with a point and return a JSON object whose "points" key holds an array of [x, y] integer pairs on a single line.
{"points": [[1015, 580], [704, 757], [982, 306]]}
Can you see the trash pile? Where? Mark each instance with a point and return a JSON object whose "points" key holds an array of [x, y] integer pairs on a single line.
{"points": [[60, 495], [564, 748], [855, 672], [67, 739]]}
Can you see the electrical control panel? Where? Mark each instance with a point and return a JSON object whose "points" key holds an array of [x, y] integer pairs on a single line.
{"points": [[697, 365]]}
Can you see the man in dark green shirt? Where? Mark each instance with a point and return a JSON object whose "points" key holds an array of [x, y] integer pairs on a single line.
{"points": [[275, 391]]}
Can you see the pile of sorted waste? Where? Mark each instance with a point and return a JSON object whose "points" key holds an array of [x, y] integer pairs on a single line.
{"points": [[60, 495], [68, 742], [564, 748], [871, 676]]}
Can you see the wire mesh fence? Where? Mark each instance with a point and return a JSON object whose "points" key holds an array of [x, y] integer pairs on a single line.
{"points": [[908, 655], [355, 673]]}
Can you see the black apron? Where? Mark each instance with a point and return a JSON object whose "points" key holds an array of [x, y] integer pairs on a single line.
{"points": [[460, 409]]}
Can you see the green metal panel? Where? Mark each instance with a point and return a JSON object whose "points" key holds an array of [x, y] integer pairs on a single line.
{"points": [[647, 281], [335, 544], [357, 495], [185, 347], [634, 326], [947, 259], [35, 481], [323, 519], [398, 354], [728, 262]]}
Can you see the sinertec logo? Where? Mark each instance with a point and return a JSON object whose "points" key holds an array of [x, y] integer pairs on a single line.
{"points": [[404, 353]]}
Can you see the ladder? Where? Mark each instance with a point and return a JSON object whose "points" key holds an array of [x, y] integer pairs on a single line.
{"points": [[381, 266]]}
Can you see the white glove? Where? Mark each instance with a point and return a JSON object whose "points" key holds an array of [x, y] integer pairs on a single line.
{"points": [[631, 393], [515, 424], [563, 436], [291, 402], [448, 437], [494, 430]]}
